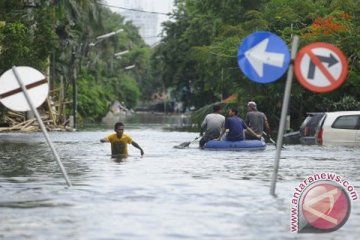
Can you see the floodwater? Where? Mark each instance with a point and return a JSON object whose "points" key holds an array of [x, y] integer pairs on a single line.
{"points": [[166, 194]]}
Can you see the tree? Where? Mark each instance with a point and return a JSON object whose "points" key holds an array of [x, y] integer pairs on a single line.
{"points": [[62, 32], [201, 41]]}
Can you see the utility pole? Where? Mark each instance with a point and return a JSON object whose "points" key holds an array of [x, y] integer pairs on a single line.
{"points": [[75, 54]]}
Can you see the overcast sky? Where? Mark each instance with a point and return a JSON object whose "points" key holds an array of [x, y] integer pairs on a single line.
{"points": [[162, 6]]}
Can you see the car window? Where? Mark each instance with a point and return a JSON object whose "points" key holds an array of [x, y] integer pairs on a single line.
{"points": [[346, 122], [308, 126], [303, 130], [307, 119], [314, 121]]}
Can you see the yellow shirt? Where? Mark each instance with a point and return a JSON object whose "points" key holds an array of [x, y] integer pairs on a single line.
{"points": [[119, 145]]}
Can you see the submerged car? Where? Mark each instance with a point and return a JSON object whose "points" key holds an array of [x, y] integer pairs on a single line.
{"points": [[339, 128], [308, 127]]}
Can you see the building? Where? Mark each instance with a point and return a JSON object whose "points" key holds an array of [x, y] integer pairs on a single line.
{"points": [[147, 22]]}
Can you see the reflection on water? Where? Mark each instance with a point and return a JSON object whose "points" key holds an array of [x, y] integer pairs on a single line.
{"points": [[166, 194], [165, 120]]}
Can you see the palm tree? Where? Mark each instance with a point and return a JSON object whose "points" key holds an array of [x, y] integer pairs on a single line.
{"points": [[77, 22]]}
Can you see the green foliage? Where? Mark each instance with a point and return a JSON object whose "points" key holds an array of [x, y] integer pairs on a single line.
{"points": [[58, 34], [94, 99], [347, 103], [15, 44], [128, 90], [199, 52], [197, 57], [25, 35]]}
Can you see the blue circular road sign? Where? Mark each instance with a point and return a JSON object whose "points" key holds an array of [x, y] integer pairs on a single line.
{"points": [[263, 57]]}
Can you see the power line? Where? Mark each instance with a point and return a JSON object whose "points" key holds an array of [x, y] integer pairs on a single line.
{"points": [[135, 10], [152, 37]]}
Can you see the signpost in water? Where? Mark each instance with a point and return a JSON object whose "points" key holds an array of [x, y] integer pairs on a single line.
{"points": [[285, 106], [23, 89]]}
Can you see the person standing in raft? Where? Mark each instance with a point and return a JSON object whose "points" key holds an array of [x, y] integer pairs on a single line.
{"points": [[256, 120], [236, 127], [119, 141], [212, 125]]}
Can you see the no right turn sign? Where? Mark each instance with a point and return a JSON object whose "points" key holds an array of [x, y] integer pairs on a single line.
{"points": [[321, 67]]}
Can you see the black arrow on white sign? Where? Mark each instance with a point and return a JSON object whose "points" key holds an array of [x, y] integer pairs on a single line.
{"points": [[330, 60]]}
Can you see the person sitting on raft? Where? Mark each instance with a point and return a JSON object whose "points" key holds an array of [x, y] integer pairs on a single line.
{"points": [[211, 125], [236, 127], [256, 120]]}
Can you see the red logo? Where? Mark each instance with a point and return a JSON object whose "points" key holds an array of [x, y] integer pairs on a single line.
{"points": [[325, 207]]}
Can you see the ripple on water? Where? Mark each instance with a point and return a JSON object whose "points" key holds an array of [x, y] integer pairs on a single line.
{"points": [[167, 194]]}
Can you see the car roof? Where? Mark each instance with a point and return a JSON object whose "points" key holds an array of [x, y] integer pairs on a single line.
{"points": [[314, 113], [343, 113]]}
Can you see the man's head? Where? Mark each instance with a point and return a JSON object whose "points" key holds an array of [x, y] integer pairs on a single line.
{"points": [[119, 128], [217, 108], [252, 106], [232, 112]]}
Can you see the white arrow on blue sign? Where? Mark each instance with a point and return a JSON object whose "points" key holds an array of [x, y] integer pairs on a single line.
{"points": [[263, 57]]}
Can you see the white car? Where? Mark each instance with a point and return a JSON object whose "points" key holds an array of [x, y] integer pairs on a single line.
{"points": [[339, 128]]}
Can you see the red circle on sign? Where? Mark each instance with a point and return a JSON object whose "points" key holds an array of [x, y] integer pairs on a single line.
{"points": [[308, 65], [326, 207]]}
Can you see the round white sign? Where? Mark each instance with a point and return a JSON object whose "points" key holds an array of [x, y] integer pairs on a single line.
{"points": [[11, 94]]}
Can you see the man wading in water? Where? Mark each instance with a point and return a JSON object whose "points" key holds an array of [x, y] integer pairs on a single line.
{"points": [[119, 141]]}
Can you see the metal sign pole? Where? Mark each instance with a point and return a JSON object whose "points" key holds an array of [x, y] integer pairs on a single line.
{"points": [[41, 124], [294, 47]]}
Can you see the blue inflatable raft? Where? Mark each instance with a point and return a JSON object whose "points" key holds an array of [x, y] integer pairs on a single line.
{"points": [[244, 145]]}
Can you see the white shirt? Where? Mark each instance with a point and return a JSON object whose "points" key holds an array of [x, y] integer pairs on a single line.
{"points": [[212, 124]]}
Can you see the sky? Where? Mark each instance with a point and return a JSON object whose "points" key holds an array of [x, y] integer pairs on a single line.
{"points": [[161, 6], [151, 5]]}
